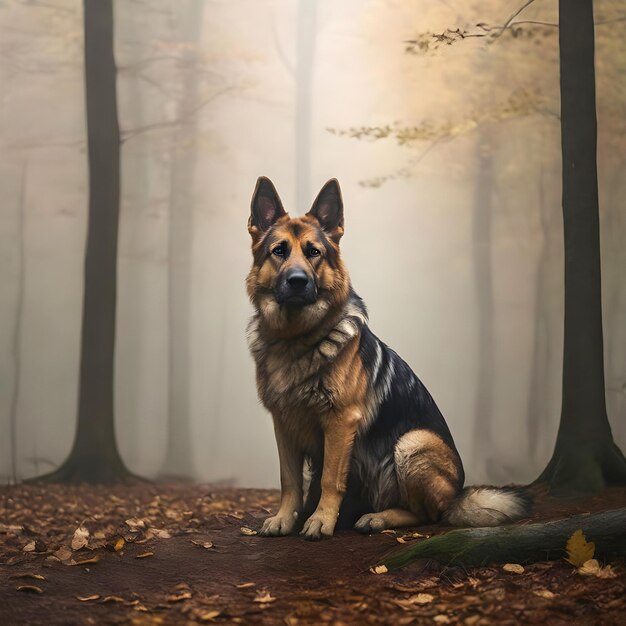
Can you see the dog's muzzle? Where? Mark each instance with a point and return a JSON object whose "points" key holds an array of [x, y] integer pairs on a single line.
{"points": [[296, 288]]}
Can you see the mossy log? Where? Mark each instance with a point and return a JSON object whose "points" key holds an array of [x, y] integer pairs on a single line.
{"points": [[517, 543]]}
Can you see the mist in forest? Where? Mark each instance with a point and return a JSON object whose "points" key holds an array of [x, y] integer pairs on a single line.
{"points": [[448, 156]]}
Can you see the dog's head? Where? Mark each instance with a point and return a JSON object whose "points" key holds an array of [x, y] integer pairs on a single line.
{"points": [[297, 276]]}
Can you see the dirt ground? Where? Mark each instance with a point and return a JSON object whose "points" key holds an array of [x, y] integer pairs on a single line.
{"points": [[149, 554]]}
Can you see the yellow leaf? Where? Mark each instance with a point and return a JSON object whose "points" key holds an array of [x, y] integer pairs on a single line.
{"points": [[119, 544], [185, 595], [209, 616], [579, 550], [513, 568], [144, 555], [88, 598], [264, 597], [379, 569], [247, 531], [245, 585]]}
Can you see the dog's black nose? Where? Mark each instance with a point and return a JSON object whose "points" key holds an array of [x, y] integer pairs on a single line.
{"points": [[297, 279]]}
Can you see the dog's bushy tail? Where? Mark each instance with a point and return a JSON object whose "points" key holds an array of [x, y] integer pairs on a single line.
{"points": [[488, 506]]}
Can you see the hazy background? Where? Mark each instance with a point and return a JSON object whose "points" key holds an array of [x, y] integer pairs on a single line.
{"points": [[453, 224]]}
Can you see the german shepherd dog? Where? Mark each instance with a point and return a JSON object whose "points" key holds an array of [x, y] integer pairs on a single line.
{"points": [[348, 412]]}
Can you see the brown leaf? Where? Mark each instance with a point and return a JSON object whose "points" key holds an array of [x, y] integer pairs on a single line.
{"points": [[203, 544], [579, 550], [135, 523], [247, 531], [88, 598], [544, 593], [63, 554], [119, 544], [29, 588], [144, 555], [80, 538], [513, 568], [113, 599], [29, 547], [245, 585]]}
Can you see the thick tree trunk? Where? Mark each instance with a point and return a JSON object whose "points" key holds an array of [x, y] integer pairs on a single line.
{"points": [[94, 456], [517, 544], [585, 457]]}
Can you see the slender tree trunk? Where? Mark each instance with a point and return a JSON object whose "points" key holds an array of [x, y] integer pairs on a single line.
{"points": [[483, 277], [179, 462], [17, 328], [585, 457], [94, 456], [305, 45]]}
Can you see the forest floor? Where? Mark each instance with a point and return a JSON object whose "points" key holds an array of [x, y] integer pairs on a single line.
{"points": [[148, 554]]}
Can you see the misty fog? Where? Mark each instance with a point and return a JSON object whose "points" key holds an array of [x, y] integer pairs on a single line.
{"points": [[453, 217]]}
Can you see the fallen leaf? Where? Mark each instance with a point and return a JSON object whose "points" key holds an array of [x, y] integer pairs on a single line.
{"points": [[379, 569], [441, 619], [544, 593], [203, 544], [513, 568], [247, 531], [93, 559], [159, 533], [179, 597], [119, 544], [245, 585], [88, 598], [135, 523], [63, 553], [264, 597], [593, 568], [209, 616], [29, 575], [422, 598], [579, 550], [80, 538], [144, 555], [388, 532], [410, 537], [113, 599], [29, 588], [29, 547]]}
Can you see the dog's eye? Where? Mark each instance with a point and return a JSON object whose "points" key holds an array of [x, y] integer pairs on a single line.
{"points": [[279, 251], [314, 252]]}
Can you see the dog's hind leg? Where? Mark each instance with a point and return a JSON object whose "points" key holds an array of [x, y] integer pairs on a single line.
{"points": [[428, 473]]}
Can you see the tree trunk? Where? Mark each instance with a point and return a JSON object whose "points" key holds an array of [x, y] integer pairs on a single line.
{"points": [[517, 544], [483, 278], [178, 462], [585, 457], [94, 456], [306, 35]]}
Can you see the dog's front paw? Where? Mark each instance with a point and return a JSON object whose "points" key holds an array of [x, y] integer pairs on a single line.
{"points": [[279, 524], [319, 525]]}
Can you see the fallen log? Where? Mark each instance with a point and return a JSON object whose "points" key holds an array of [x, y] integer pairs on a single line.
{"points": [[519, 543]]}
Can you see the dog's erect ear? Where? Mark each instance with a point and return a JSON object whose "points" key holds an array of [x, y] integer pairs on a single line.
{"points": [[266, 207], [328, 209]]}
